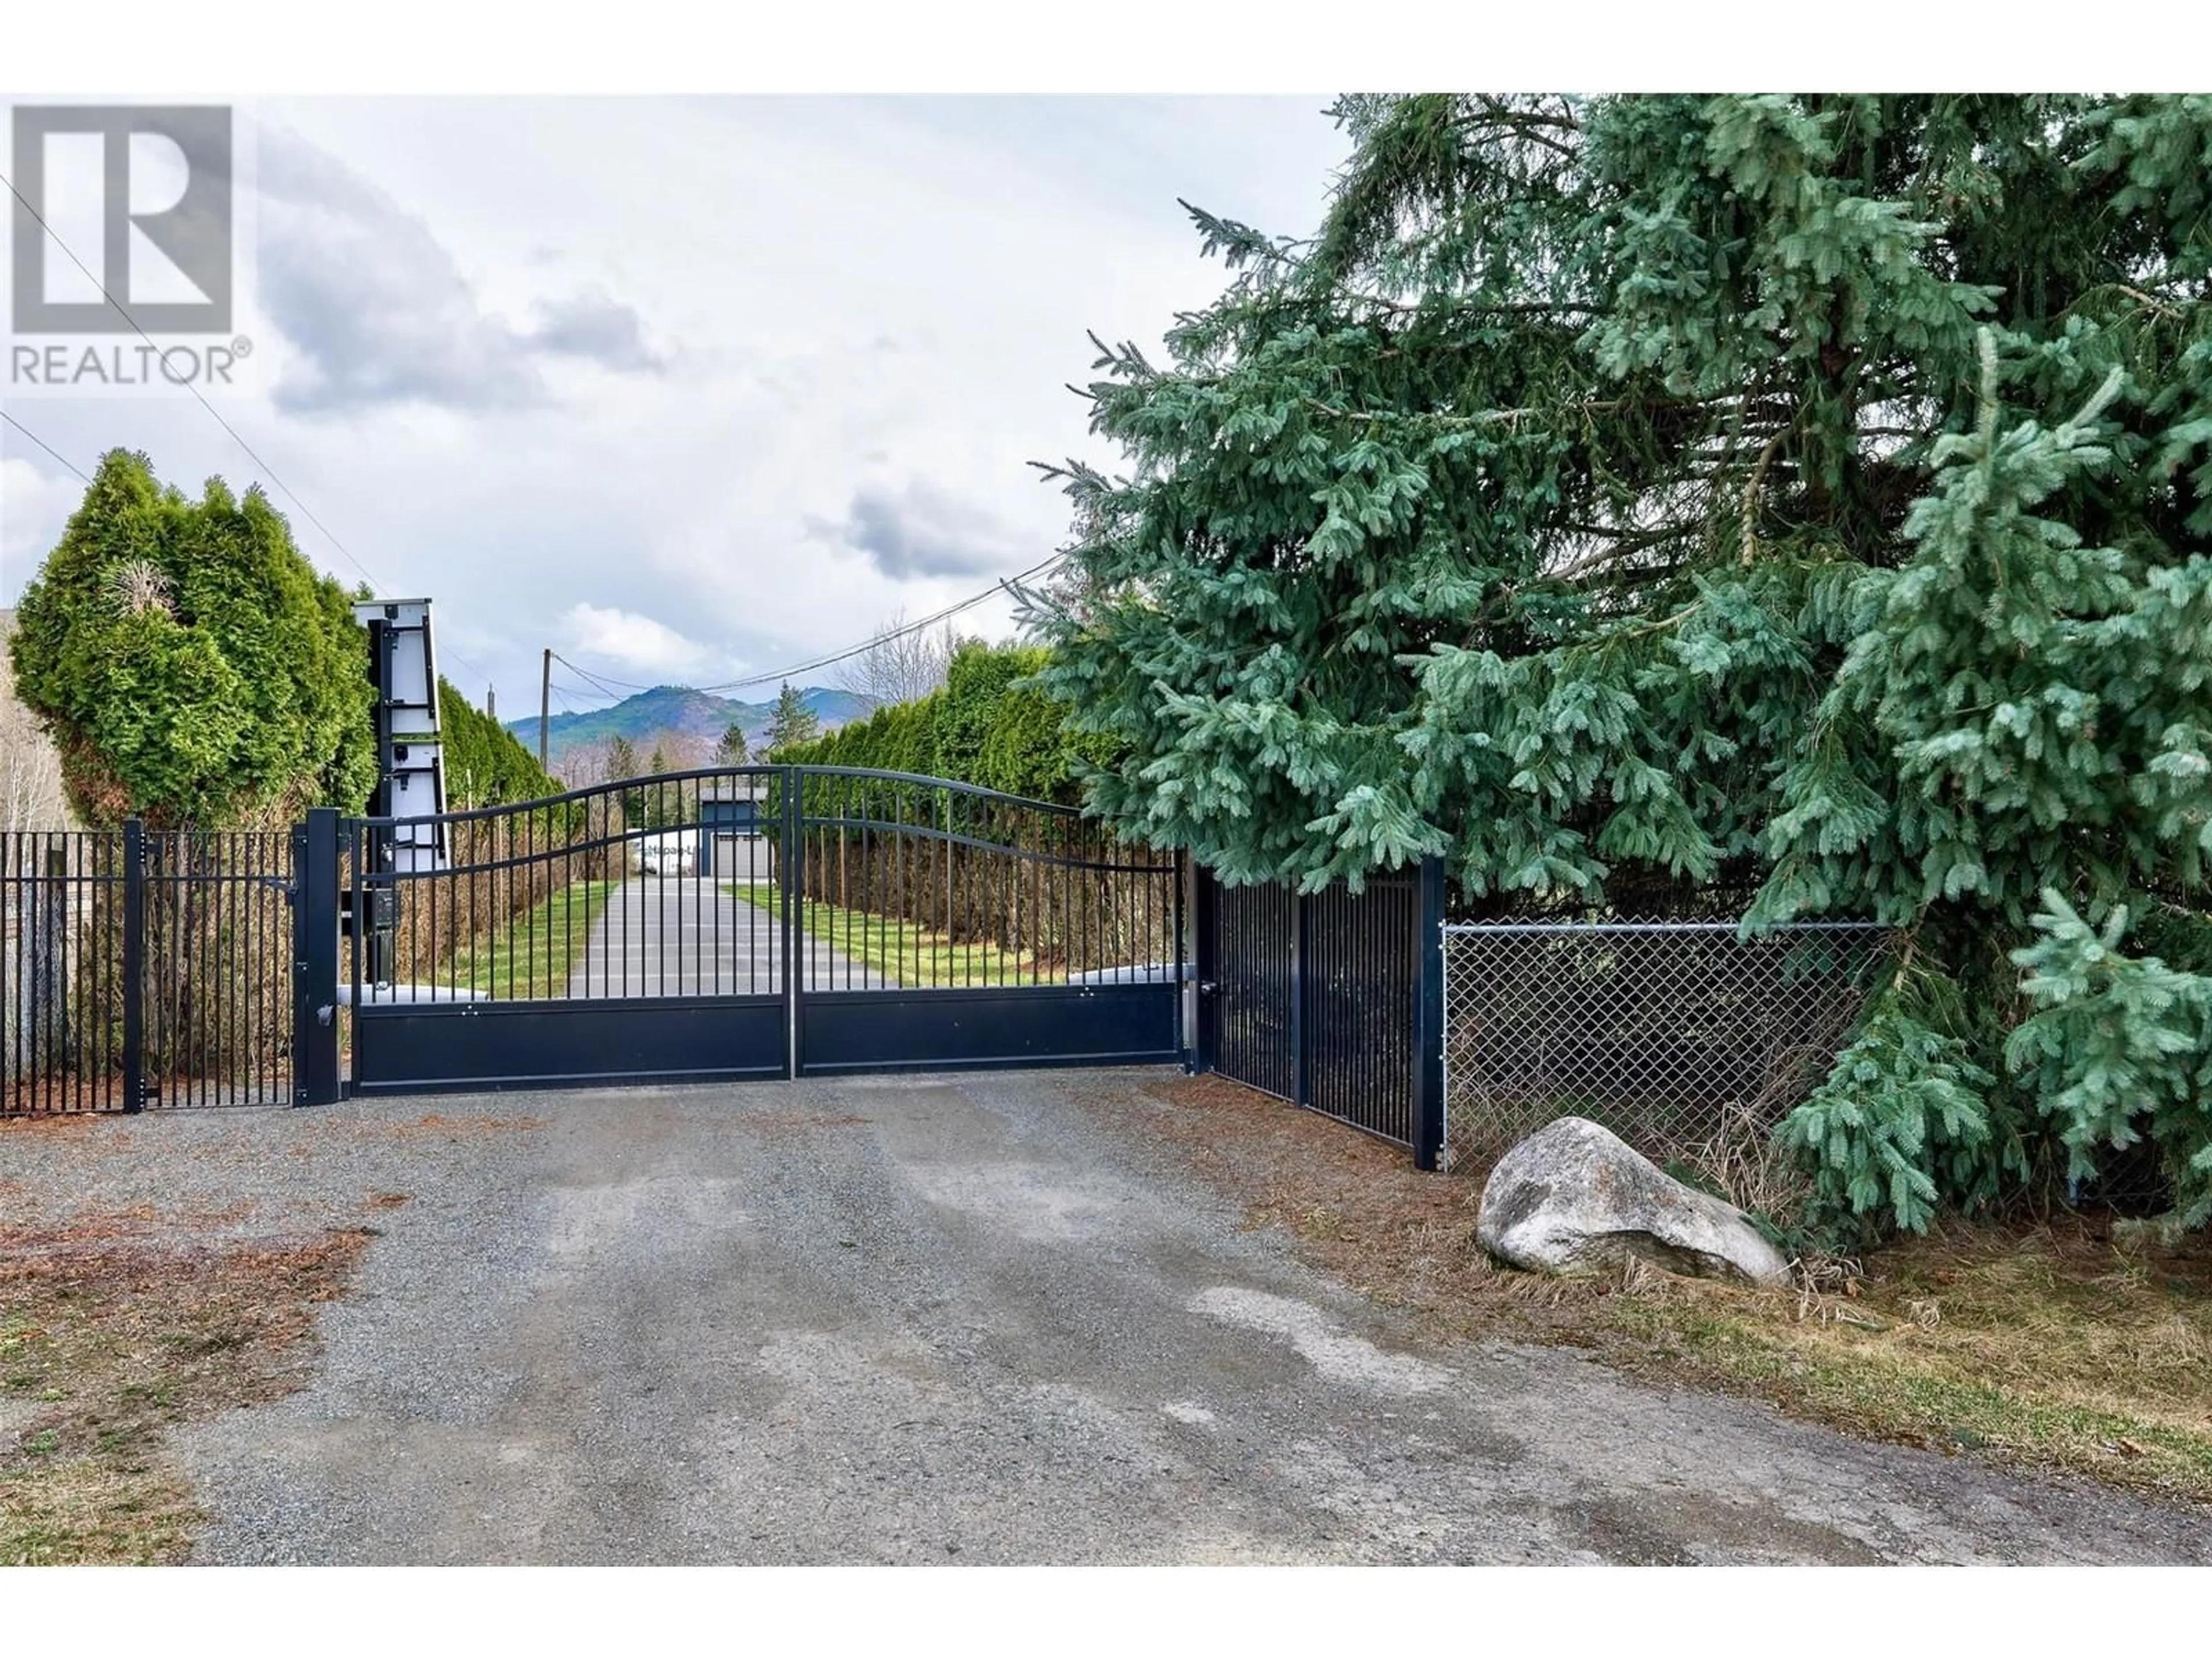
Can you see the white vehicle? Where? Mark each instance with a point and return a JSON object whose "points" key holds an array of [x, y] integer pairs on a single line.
{"points": [[670, 853]]}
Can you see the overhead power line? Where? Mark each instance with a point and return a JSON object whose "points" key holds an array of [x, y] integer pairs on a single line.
{"points": [[124, 311], [43, 443], [606, 684], [777, 675], [290, 494], [604, 688]]}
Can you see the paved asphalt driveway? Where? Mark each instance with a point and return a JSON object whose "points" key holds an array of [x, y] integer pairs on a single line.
{"points": [[672, 936], [974, 1319]]}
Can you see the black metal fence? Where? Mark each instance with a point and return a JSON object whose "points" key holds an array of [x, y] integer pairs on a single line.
{"points": [[1456, 1039], [515, 907], [61, 971], [1330, 1001], [781, 919], [217, 967], [141, 968], [1248, 986]]}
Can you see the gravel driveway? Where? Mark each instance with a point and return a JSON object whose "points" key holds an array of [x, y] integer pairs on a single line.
{"points": [[971, 1319]]}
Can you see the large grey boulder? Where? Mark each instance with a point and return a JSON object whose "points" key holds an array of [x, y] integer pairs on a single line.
{"points": [[1574, 1198]]}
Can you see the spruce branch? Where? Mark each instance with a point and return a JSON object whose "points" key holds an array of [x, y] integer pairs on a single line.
{"points": [[1441, 516], [1749, 534]]}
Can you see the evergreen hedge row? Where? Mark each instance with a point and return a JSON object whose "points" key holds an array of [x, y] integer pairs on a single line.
{"points": [[486, 764], [984, 726]]}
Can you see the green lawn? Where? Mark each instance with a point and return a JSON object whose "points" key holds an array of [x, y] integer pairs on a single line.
{"points": [[535, 953], [907, 953]]}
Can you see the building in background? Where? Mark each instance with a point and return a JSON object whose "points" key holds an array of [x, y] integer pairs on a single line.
{"points": [[729, 817]]}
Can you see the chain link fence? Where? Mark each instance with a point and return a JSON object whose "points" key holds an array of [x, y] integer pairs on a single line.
{"points": [[1686, 1041]]}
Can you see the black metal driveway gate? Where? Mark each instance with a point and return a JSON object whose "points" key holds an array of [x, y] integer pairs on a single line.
{"points": [[872, 921]]}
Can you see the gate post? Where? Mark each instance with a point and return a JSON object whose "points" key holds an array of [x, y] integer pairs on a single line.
{"points": [[315, 959], [1179, 911], [1429, 1016], [1201, 998], [134, 965]]}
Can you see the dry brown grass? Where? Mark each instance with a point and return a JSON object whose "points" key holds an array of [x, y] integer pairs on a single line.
{"points": [[115, 1327], [1054, 918], [2050, 1347], [18, 1116]]}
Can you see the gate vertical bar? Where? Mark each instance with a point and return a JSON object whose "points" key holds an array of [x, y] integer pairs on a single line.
{"points": [[48, 930], [134, 965], [1429, 1016], [789, 934], [1182, 949], [315, 959], [1300, 1071]]}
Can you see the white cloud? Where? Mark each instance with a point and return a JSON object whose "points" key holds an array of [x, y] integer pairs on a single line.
{"points": [[377, 310], [570, 359], [34, 507], [920, 531], [632, 640]]}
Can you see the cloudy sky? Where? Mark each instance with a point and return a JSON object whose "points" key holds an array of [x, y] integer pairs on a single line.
{"points": [[686, 389]]}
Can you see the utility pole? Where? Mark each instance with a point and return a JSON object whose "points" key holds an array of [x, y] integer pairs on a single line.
{"points": [[544, 706]]}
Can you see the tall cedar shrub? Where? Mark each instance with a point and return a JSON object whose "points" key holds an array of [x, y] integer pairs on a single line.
{"points": [[988, 724], [486, 764], [1804, 495], [192, 667]]}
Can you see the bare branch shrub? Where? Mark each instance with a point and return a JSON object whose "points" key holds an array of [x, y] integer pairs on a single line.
{"points": [[31, 794], [900, 665]]}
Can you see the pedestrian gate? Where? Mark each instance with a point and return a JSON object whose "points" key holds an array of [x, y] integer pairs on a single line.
{"points": [[1332, 1000], [144, 968], [844, 920]]}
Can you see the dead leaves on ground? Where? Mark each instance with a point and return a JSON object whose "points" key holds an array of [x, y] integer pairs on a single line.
{"points": [[114, 1327]]}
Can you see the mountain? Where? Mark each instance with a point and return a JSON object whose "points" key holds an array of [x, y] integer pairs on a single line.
{"points": [[694, 720]]}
